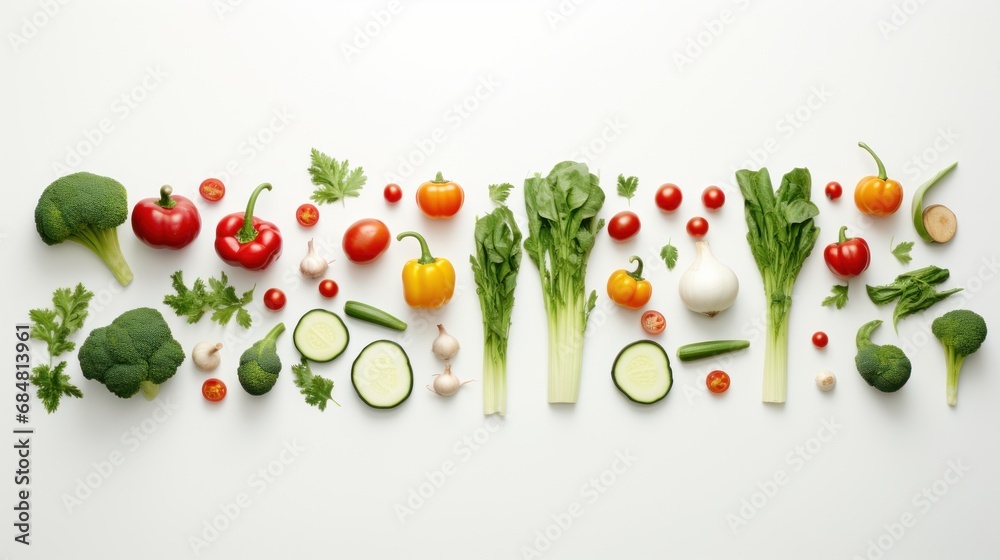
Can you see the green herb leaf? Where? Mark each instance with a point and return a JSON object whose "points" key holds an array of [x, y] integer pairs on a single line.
{"points": [[499, 193], [902, 251], [839, 297], [317, 390], [627, 186], [669, 255], [336, 181], [71, 306], [53, 384], [219, 297]]}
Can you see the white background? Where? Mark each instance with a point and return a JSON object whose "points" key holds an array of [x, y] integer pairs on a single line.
{"points": [[920, 88]]}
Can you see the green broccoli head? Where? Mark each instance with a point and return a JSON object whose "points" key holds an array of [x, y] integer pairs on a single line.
{"points": [[136, 351], [884, 367], [86, 209], [260, 364], [961, 332]]}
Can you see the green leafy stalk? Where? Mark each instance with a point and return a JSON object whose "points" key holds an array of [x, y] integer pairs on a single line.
{"points": [[54, 326], [495, 266], [562, 213], [781, 234]]}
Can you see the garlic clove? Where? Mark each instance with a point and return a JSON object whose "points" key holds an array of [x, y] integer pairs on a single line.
{"points": [[313, 266], [205, 356]]}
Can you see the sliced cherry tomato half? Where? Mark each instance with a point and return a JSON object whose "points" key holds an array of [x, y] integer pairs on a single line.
{"points": [[820, 340], [697, 227], [834, 190], [713, 198], [328, 288], [668, 197], [214, 390], [717, 381], [307, 215], [274, 299], [212, 190], [653, 322], [392, 193]]}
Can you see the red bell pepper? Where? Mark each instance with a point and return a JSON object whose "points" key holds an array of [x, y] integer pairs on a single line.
{"points": [[169, 222], [848, 257], [244, 240]]}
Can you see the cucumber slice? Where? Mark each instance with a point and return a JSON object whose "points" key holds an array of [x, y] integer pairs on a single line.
{"points": [[320, 335], [382, 375], [642, 372]]}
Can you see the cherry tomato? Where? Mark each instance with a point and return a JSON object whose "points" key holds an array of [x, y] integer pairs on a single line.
{"points": [[307, 215], [623, 225], [328, 288], [214, 390], [274, 299], [366, 240], [834, 190], [212, 190], [669, 197], [392, 193], [653, 322], [820, 339], [697, 227], [713, 198], [717, 381]]}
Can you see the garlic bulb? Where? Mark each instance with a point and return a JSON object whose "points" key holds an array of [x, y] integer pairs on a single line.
{"points": [[205, 355], [709, 286], [445, 346], [313, 266], [826, 381], [446, 384]]}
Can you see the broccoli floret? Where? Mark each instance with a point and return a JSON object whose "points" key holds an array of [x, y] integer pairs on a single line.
{"points": [[136, 351], [260, 364], [961, 332], [884, 367], [87, 209]]}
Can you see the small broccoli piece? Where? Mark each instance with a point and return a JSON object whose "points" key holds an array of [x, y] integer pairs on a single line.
{"points": [[884, 367], [136, 351], [260, 364], [87, 209], [961, 332]]}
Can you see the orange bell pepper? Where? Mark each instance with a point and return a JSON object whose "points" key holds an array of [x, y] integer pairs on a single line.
{"points": [[630, 289], [877, 195], [428, 283]]}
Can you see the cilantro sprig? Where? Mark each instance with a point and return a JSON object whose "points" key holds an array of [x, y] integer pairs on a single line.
{"points": [[336, 180], [317, 389], [54, 326], [218, 297]]}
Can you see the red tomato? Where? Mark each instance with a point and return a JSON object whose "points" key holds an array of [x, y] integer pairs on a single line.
{"points": [[653, 322], [212, 190], [697, 227], [623, 226], [820, 339], [717, 381], [392, 193], [366, 240], [307, 215], [214, 390], [328, 288], [274, 299], [713, 198], [834, 190], [669, 197]]}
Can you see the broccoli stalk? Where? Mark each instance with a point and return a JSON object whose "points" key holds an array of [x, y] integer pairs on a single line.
{"points": [[961, 332], [260, 364], [86, 209]]}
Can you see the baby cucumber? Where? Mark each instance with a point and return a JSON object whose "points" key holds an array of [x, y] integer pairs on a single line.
{"points": [[710, 348], [373, 315]]}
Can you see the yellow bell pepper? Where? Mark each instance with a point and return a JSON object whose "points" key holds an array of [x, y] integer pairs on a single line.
{"points": [[630, 289], [428, 283]]}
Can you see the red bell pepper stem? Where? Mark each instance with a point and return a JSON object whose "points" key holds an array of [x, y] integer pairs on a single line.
{"points": [[843, 234], [165, 200], [425, 252], [247, 233], [637, 273], [881, 168]]}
